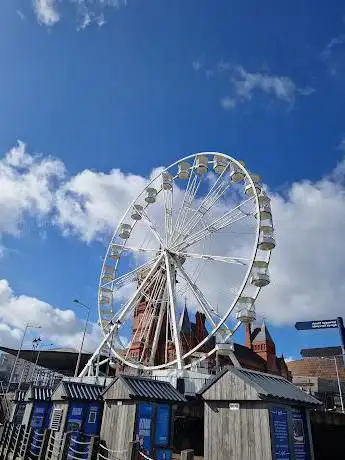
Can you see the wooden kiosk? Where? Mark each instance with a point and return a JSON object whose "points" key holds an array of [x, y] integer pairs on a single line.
{"points": [[256, 416], [137, 418]]}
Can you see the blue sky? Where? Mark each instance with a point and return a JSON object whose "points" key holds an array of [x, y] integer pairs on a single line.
{"points": [[138, 84]]}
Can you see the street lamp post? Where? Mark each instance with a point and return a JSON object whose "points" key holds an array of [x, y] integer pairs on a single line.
{"points": [[18, 353], [84, 333]]}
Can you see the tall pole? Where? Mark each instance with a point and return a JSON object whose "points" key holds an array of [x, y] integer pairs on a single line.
{"points": [[16, 360], [339, 385], [83, 339], [38, 347], [18, 354], [342, 335]]}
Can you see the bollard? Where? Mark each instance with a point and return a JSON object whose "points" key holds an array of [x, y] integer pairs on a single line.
{"points": [[187, 454]]}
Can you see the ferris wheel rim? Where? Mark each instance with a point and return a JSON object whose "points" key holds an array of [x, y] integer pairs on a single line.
{"points": [[240, 290]]}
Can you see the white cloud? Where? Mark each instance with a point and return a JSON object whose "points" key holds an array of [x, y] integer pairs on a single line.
{"points": [[334, 43], [61, 327], [46, 12], [307, 265], [281, 87], [88, 11], [309, 261], [27, 185], [20, 14], [228, 103], [197, 64], [90, 204], [245, 84]]}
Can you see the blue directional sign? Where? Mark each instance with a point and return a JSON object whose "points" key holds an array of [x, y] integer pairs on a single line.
{"points": [[321, 324]]}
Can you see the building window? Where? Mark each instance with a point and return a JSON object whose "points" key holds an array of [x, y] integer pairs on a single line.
{"points": [[92, 416]]}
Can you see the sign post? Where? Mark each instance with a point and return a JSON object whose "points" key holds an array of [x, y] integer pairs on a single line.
{"points": [[325, 324], [328, 324], [342, 335]]}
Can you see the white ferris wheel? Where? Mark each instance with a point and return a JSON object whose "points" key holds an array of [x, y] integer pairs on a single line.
{"points": [[196, 241]]}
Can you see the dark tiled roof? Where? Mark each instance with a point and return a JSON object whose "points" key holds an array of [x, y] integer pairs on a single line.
{"points": [[156, 390], [39, 393], [20, 395], [246, 355], [267, 385], [75, 390], [278, 387]]}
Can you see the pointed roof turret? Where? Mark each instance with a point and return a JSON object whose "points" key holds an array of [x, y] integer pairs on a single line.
{"points": [[184, 322], [263, 335]]}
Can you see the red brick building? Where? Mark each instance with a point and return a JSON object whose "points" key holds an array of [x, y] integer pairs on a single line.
{"points": [[259, 352]]}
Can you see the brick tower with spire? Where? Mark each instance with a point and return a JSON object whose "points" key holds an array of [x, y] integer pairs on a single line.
{"points": [[260, 341]]}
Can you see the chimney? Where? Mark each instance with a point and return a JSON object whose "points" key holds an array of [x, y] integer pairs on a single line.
{"points": [[249, 335]]}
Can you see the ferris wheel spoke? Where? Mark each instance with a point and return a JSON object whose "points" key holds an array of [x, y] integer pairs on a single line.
{"points": [[129, 277], [147, 319], [139, 291], [158, 330], [156, 303], [172, 305], [207, 308], [192, 188], [224, 221], [218, 189], [149, 287], [152, 227], [141, 249], [168, 204], [226, 259], [232, 331]]}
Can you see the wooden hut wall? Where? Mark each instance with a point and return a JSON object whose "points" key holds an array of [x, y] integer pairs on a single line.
{"points": [[230, 388], [58, 434], [27, 413], [14, 408], [242, 434], [118, 424]]}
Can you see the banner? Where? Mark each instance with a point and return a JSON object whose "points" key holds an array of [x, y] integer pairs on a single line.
{"points": [[300, 435], [280, 433], [144, 427], [162, 425]]}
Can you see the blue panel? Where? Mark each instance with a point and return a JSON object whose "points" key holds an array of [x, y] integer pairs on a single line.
{"points": [[37, 423], [48, 415], [162, 425], [280, 434], [93, 418], [300, 435], [163, 454], [75, 416], [144, 427], [38, 414]]}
